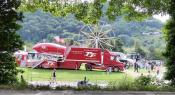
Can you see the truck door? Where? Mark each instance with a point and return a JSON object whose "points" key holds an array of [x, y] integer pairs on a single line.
{"points": [[106, 57], [111, 60]]}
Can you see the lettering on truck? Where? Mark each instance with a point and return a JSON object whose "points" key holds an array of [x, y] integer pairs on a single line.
{"points": [[90, 54]]}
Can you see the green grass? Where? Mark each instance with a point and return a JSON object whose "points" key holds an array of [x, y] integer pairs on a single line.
{"points": [[72, 75], [76, 75]]}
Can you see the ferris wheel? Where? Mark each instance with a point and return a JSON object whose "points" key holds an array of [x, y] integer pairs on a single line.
{"points": [[97, 36]]}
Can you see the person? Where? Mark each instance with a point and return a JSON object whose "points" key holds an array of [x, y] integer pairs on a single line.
{"points": [[136, 66], [54, 75], [149, 68], [108, 70], [147, 65], [157, 69], [85, 81], [152, 66], [141, 74]]}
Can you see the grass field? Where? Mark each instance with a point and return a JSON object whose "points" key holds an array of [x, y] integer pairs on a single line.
{"points": [[77, 75], [73, 75]]}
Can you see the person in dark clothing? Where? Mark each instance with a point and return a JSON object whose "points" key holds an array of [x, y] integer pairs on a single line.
{"points": [[152, 66], [136, 66], [54, 75], [137, 58]]}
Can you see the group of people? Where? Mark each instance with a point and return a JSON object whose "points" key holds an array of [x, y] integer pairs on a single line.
{"points": [[152, 66], [148, 65]]}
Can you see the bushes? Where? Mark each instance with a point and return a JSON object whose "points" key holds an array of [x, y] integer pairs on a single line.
{"points": [[142, 81], [124, 84], [8, 71], [19, 85], [121, 85], [22, 84]]}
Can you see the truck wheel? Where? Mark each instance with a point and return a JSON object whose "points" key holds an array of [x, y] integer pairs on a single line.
{"points": [[88, 67]]}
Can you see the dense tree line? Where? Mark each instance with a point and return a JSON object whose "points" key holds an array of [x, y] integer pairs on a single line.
{"points": [[41, 25], [10, 41]]}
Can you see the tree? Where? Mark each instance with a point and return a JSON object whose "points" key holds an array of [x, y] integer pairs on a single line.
{"points": [[117, 45], [139, 50], [155, 53], [9, 40], [127, 40], [170, 47], [91, 12], [69, 42], [8, 71], [170, 50]]}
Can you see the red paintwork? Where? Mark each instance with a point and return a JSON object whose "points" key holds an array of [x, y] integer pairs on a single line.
{"points": [[112, 63], [93, 56], [21, 56], [84, 55], [49, 64], [50, 48], [69, 65], [62, 65], [74, 57]]}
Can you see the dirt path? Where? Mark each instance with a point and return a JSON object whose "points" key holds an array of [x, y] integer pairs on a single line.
{"points": [[64, 83], [152, 73], [132, 73]]}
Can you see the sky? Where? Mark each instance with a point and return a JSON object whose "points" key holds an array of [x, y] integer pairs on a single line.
{"points": [[162, 18]]}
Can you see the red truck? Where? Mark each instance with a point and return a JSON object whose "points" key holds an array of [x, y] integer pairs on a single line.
{"points": [[51, 55], [94, 58]]}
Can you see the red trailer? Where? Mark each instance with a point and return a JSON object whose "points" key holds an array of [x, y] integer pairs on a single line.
{"points": [[73, 57], [51, 55], [94, 58]]}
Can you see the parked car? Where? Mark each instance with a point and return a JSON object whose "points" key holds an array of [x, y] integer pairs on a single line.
{"points": [[125, 59]]}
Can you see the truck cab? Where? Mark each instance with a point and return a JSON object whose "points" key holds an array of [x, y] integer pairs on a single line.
{"points": [[110, 62]]}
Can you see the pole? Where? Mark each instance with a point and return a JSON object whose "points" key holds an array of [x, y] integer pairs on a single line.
{"points": [[96, 43]]}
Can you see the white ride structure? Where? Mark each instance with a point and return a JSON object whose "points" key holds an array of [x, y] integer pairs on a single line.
{"points": [[97, 36]]}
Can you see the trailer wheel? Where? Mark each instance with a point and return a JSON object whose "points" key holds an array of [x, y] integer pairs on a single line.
{"points": [[88, 67], [116, 69]]}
